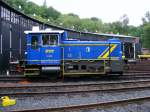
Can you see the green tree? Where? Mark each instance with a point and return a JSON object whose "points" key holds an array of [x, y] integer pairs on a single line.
{"points": [[94, 19], [124, 20], [146, 41], [17, 4], [31, 8], [135, 31], [146, 30], [89, 25], [69, 21], [49, 12], [146, 19]]}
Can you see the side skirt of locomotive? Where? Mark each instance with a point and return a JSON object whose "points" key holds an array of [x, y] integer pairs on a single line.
{"points": [[91, 67], [83, 67]]}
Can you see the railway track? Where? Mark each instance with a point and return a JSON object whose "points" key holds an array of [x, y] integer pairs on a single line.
{"points": [[25, 90], [127, 75], [12, 78], [90, 107], [137, 72]]}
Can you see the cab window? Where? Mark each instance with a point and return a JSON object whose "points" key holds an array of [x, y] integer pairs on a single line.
{"points": [[49, 39], [34, 41]]}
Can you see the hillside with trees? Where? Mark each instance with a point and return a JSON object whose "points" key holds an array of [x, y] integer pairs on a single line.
{"points": [[94, 24]]}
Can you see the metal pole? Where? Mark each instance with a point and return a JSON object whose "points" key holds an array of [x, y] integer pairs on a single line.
{"points": [[10, 37], [0, 39], [0, 20], [1, 28], [10, 43], [123, 48], [134, 50], [20, 43], [44, 26]]}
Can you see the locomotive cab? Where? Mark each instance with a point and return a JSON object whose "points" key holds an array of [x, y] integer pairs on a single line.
{"points": [[43, 52]]}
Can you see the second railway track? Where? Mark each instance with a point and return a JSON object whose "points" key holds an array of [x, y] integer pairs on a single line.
{"points": [[39, 89], [126, 76]]}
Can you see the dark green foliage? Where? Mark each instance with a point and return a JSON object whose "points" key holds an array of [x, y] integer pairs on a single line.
{"points": [[49, 12], [146, 36], [146, 30], [31, 9], [17, 3]]}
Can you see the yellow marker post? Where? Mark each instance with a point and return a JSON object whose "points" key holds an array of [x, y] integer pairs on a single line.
{"points": [[123, 57], [6, 101]]}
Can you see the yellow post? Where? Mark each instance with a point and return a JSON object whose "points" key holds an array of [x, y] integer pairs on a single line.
{"points": [[123, 56], [63, 65]]}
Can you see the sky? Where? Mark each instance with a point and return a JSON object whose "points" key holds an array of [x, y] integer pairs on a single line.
{"points": [[106, 10]]}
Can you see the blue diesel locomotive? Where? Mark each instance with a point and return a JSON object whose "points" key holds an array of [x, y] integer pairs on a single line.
{"points": [[51, 52]]}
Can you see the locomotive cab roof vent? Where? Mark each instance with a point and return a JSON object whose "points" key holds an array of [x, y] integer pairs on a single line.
{"points": [[35, 28], [48, 29]]}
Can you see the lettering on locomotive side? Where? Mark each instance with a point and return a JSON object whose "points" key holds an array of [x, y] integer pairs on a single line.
{"points": [[49, 51]]}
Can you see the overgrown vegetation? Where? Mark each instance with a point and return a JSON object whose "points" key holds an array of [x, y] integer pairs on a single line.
{"points": [[73, 21]]}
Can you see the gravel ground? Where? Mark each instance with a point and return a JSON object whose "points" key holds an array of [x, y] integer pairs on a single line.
{"points": [[58, 100], [135, 107], [132, 108]]}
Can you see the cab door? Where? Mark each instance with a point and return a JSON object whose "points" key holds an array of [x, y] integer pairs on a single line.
{"points": [[33, 49], [50, 49]]}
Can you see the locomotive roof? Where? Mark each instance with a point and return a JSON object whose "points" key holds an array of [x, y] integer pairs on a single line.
{"points": [[115, 35], [44, 31]]}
